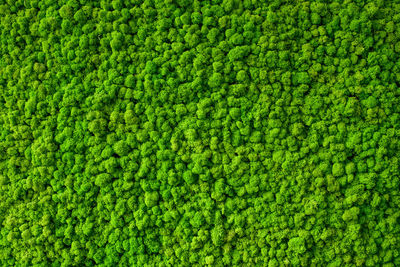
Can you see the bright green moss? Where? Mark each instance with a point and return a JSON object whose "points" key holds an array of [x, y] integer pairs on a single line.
{"points": [[193, 133]]}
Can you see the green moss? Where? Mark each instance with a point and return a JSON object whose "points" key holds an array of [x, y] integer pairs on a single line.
{"points": [[192, 133]]}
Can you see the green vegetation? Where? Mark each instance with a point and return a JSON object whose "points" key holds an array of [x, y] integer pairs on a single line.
{"points": [[192, 133]]}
